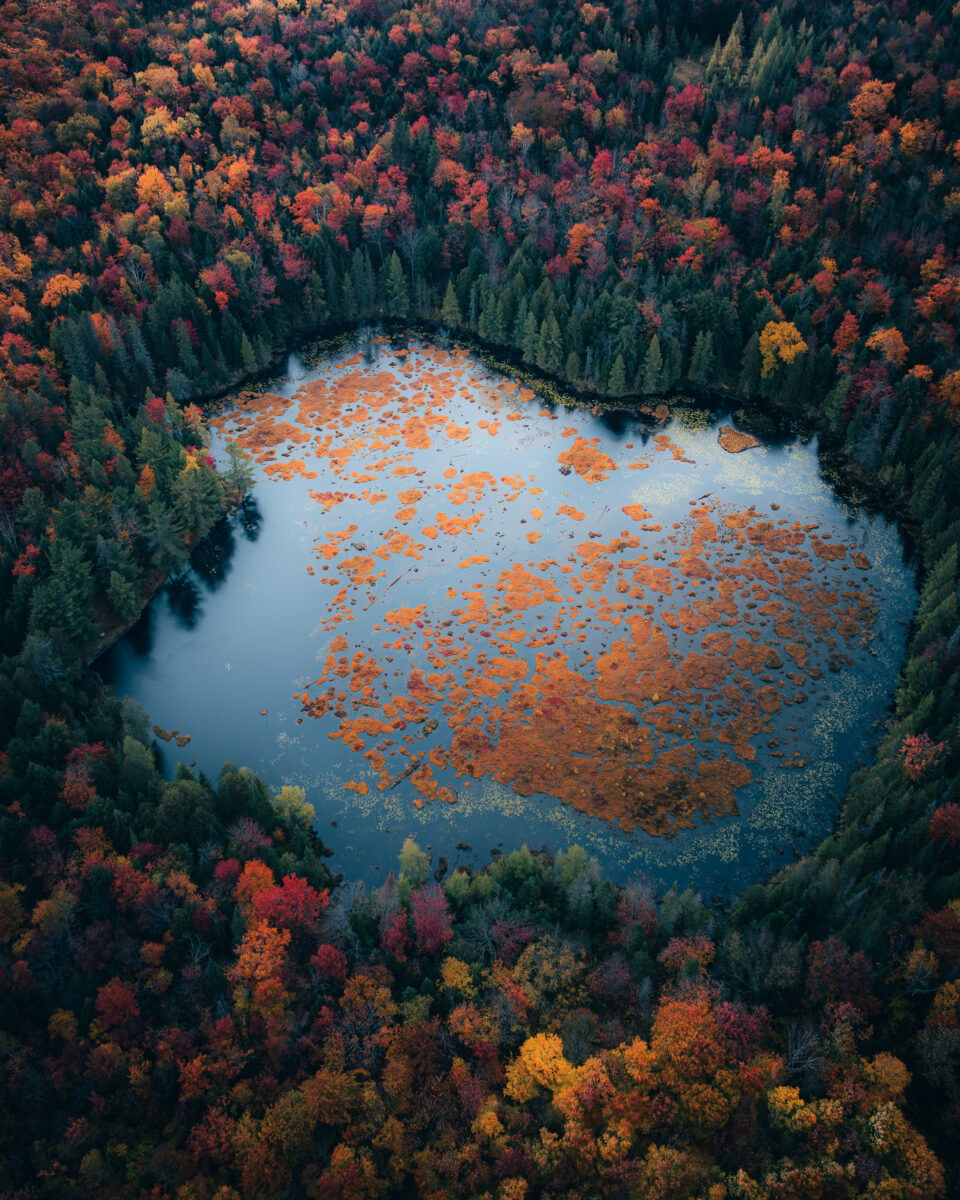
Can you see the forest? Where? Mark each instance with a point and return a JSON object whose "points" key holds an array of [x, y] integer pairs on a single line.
{"points": [[627, 200]]}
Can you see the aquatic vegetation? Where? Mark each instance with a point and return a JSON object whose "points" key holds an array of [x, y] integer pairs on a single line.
{"points": [[637, 674]]}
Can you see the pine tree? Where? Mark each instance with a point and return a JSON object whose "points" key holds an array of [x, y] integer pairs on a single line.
{"points": [[702, 358], [64, 600], [530, 340], [348, 298], [750, 367], [316, 298], [731, 58], [395, 291], [652, 370], [247, 355], [617, 382], [487, 321], [185, 354], [122, 596], [450, 313], [549, 346], [238, 474]]}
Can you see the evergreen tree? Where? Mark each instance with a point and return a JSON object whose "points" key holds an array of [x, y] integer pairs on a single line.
{"points": [[617, 381], [348, 298], [530, 340], [395, 291], [549, 346], [316, 299], [238, 474], [122, 595], [450, 313], [651, 381], [702, 359], [64, 600], [750, 367], [248, 355]]}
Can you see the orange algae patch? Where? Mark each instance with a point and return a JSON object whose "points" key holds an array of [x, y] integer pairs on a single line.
{"points": [[457, 525], [861, 561], [474, 559], [361, 788], [457, 433], [590, 464], [404, 617], [287, 470], [574, 514], [828, 552], [734, 441], [636, 512], [533, 537], [662, 442]]}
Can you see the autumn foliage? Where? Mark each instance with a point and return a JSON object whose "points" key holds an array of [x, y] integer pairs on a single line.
{"points": [[753, 203]]}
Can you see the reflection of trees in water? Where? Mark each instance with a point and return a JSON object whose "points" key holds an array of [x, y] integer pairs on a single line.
{"points": [[249, 519], [211, 561], [184, 599]]}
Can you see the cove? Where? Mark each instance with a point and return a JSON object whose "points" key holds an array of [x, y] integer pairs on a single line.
{"points": [[457, 612]]}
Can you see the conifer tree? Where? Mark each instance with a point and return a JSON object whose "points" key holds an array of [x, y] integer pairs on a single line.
{"points": [[702, 358], [395, 289], [450, 313], [549, 345], [652, 371], [617, 381]]}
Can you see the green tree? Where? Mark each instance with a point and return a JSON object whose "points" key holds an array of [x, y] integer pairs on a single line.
{"points": [[64, 600], [450, 313], [395, 291], [652, 371], [617, 381], [239, 473], [702, 360], [123, 595], [549, 345]]}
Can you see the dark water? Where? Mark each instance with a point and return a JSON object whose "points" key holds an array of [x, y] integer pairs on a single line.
{"points": [[693, 634]]}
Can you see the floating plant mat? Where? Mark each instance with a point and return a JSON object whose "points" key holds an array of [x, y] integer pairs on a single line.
{"points": [[475, 619]]}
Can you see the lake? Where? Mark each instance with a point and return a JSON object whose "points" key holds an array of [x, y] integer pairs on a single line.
{"points": [[457, 612]]}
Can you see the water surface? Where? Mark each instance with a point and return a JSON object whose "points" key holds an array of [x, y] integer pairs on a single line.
{"points": [[458, 613]]}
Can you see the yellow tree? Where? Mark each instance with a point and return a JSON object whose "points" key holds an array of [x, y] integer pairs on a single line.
{"points": [[780, 342], [540, 1063]]}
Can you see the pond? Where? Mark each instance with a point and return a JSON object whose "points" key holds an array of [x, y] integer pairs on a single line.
{"points": [[456, 612]]}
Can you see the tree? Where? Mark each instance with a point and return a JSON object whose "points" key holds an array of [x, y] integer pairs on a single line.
{"points": [[617, 382], [65, 599], [450, 313], [239, 473], [780, 342], [123, 595], [430, 913], [549, 354], [652, 371], [702, 359], [395, 289]]}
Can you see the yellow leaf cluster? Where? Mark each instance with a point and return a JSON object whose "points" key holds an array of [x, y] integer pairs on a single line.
{"points": [[780, 342]]}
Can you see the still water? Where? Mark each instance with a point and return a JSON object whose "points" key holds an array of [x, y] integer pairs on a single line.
{"points": [[455, 612]]}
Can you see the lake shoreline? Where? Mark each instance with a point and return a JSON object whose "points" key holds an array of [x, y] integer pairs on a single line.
{"points": [[774, 476]]}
